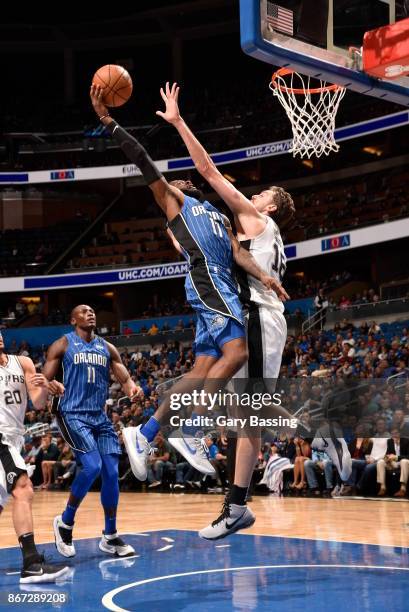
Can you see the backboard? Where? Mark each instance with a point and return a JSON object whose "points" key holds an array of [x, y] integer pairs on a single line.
{"points": [[314, 37]]}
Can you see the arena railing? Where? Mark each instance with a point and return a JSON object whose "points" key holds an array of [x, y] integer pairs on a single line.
{"points": [[399, 380], [144, 339], [363, 310], [368, 310]]}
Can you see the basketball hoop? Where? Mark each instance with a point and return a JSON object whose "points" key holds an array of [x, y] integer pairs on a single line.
{"points": [[311, 110]]}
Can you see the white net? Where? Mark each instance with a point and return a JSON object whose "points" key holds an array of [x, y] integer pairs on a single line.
{"points": [[312, 111]]}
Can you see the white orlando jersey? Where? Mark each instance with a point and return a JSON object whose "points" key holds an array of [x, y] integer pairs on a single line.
{"points": [[268, 251], [13, 397]]}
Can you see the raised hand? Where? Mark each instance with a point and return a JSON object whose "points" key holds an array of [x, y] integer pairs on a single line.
{"points": [[170, 97], [97, 94]]}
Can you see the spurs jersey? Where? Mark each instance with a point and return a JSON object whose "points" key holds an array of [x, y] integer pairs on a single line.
{"points": [[13, 397], [268, 251]]}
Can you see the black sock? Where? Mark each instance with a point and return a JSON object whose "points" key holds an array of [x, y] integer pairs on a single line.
{"points": [[238, 495], [28, 548]]}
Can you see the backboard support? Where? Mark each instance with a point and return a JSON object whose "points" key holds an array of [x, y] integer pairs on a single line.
{"points": [[317, 43]]}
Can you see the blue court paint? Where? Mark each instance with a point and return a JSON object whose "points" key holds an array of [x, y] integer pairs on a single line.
{"points": [[175, 570]]}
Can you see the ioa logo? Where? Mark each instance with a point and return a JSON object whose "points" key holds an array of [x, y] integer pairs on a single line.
{"points": [[218, 321], [62, 175], [10, 477], [337, 242]]}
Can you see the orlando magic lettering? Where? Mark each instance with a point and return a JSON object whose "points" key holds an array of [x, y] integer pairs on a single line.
{"points": [[86, 375], [86, 360]]}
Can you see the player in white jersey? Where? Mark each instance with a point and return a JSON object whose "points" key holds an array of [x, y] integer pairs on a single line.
{"points": [[258, 222], [18, 378], [267, 327]]}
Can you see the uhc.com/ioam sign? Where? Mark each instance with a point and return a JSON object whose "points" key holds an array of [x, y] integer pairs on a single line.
{"points": [[336, 242]]}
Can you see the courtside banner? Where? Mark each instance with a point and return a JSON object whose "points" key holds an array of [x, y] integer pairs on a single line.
{"points": [[309, 248], [356, 130], [88, 279]]}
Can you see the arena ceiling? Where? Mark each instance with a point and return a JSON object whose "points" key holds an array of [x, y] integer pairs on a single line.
{"points": [[152, 22]]}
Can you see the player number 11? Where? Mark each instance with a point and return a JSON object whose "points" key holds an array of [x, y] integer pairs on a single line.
{"points": [[91, 374], [216, 227]]}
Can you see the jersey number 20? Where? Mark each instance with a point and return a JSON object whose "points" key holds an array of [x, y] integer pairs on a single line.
{"points": [[12, 397]]}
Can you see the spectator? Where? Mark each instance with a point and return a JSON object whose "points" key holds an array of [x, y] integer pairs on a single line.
{"points": [[61, 468], [303, 453], [218, 459], [47, 456], [374, 329], [381, 431], [398, 420], [360, 450], [321, 462], [162, 460], [153, 330], [397, 456], [344, 302], [321, 303]]}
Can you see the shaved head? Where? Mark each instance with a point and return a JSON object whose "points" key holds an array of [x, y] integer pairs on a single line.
{"points": [[77, 309]]}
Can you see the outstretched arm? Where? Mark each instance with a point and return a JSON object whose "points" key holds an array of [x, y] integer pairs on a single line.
{"points": [[169, 198], [252, 221], [120, 372]]}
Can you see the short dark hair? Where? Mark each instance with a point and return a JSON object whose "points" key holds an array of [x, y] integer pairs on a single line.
{"points": [[285, 207]]}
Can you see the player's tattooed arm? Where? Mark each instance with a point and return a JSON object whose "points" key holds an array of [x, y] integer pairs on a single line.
{"points": [[245, 260], [169, 198], [121, 373], [251, 220], [37, 384], [52, 365]]}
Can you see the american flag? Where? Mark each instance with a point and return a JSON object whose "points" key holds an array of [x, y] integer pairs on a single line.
{"points": [[280, 18]]}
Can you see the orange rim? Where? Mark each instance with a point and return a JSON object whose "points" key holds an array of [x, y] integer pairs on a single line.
{"points": [[315, 90]]}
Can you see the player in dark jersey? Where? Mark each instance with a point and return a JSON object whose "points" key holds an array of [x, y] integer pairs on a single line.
{"points": [[86, 361], [211, 289], [258, 222]]}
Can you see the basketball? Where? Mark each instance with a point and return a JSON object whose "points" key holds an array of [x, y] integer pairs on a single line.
{"points": [[116, 82]]}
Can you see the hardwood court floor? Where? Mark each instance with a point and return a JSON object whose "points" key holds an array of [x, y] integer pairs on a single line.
{"points": [[361, 521]]}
